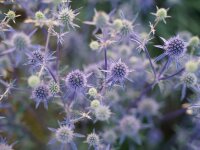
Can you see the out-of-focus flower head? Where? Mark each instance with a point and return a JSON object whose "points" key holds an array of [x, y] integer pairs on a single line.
{"points": [[65, 136]]}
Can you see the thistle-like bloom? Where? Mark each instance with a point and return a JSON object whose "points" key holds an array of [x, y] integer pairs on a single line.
{"points": [[188, 80], [148, 107], [130, 126], [19, 44], [109, 136], [93, 140], [38, 59], [175, 48], [118, 73], [124, 28], [54, 88], [161, 14], [41, 94], [20, 41], [76, 82], [65, 136], [10, 15], [102, 113], [100, 20], [66, 16]]}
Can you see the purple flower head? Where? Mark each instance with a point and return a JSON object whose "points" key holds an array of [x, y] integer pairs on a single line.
{"points": [[76, 80], [130, 127], [118, 73], [188, 80], [175, 48], [41, 94], [37, 59], [93, 140]]}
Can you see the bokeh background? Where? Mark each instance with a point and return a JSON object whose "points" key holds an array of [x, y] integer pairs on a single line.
{"points": [[28, 126]]}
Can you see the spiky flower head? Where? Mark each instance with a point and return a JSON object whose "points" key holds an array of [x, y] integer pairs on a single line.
{"points": [[76, 80], [102, 113], [36, 57], [93, 139], [175, 47], [100, 19], [129, 125], [33, 81], [54, 88], [189, 79], [11, 15], [64, 134], [67, 16], [20, 41], [191, 66], [148, 106], [41, 94], [126, 28], [109, 136], [119, 70], [92, 92], [94, 104], [39, 15], [161, 14]]}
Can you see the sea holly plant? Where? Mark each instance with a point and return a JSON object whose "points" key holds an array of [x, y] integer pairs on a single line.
{"points": [[104, 77]]}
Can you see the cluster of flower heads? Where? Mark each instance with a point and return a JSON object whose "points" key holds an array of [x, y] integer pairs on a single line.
{"points": [[99, 92]]}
